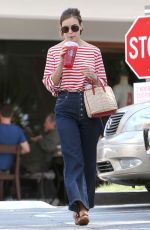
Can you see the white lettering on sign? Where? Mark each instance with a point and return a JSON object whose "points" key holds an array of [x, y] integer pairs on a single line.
{"points": [[135, 54], [144, 45], [142, 39]]}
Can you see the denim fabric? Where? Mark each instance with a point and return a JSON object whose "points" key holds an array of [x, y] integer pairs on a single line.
{"points": [[78, 135]]}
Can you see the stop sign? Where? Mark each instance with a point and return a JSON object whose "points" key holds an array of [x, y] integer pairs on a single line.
{"points": [[137, 47]]}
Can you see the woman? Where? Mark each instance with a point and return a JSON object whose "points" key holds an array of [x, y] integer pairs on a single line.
{"points": [[78, 133]]}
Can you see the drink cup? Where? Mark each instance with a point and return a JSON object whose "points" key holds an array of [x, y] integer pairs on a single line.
{"points": [[70, 54]]}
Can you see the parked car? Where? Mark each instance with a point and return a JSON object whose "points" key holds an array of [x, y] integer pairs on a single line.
{"points": [[121, 154]]}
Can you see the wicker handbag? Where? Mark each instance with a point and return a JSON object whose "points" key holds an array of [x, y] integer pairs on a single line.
{"points": [[100, 101]]}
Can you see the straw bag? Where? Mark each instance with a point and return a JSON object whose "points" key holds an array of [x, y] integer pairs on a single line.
{"points": [[99, 100]]}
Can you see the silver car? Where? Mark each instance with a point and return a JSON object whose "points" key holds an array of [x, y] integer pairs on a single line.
{"points": [[121, 154]]}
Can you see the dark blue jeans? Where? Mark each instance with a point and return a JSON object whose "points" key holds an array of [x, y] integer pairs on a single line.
{"points": [[78, 136]]}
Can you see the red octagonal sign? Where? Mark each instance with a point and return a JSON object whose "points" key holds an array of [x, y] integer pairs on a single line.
{"points": [[137, 47]]}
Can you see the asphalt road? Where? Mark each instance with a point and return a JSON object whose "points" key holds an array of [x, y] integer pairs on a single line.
{"points": [[33, 215]]}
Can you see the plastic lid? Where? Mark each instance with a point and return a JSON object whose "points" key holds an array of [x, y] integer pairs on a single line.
{"points": [[70, 43]]}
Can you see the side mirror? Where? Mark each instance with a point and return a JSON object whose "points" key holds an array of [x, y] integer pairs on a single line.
{"points": [[146, 138]]}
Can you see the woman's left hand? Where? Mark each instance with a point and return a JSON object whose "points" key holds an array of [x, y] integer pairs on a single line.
{"points": [[89, 73]]}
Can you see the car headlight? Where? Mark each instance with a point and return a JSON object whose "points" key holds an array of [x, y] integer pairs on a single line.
{"points": [[137, 120], [129, 163]]}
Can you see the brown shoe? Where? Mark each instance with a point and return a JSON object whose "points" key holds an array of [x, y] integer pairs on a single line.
{"points": [[83, 219], [76, 217]]}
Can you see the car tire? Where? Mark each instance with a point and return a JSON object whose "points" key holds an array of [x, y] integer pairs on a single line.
{"points": [[147, 186]]}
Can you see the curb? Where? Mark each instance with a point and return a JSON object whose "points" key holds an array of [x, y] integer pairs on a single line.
{"points": [[114, 198]]}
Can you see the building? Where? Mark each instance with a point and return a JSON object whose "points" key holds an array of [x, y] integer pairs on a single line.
{"points": [[28, 28]]}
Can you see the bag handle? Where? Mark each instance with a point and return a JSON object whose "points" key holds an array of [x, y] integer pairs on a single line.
{"points": [[93, 86]]}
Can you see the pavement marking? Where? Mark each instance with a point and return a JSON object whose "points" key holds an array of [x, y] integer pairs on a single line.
{"points": [[126, 222], [43, 215], [123, 205], [24, 204]]}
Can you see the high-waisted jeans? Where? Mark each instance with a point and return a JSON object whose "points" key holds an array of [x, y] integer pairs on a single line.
{"points": [[78, 136]]}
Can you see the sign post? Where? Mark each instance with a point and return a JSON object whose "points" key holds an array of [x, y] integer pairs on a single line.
{"points": [[147, 9], [137, 47]]}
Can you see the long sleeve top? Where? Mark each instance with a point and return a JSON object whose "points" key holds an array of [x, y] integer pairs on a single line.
{"points": [[73, 79]]}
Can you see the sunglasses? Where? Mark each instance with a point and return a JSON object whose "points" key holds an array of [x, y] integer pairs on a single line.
{"points": [[65, 29]]}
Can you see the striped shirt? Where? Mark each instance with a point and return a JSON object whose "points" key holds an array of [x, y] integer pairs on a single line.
{"points": [[73, 79]]}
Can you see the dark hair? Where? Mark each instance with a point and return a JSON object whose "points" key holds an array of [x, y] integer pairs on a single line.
{"points": [[6, 110], [71, 12]]}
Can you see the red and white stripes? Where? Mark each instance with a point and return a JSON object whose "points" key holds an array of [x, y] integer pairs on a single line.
{"points": [[73, 79]]}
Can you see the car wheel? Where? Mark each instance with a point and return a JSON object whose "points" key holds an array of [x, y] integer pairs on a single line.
{"points": [[147, 186]]}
